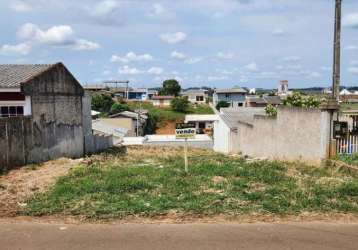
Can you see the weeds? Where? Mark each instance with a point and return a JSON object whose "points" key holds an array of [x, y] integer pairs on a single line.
{"points": [[152, 181]]}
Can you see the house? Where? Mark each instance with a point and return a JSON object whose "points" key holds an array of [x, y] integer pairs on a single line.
{"points": [[124, 124], [151, 93], [135, 94], [196, 96], [256, 101], [235, 97], [162, 101], [45, 114], [204, 123]]}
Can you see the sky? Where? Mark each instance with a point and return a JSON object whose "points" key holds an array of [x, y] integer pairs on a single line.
{"points": [[217, 43]]}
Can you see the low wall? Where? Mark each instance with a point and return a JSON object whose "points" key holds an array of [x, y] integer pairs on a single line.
{"points": [[98, 142], [295, 134], [24, 141]]}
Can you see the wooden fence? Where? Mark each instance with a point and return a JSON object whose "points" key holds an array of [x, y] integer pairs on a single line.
{"points": [[348, 145]]}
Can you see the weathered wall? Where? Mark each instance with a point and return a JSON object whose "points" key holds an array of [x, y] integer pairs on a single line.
{"points": [[225, 139], [55, 128], [296, 134]]}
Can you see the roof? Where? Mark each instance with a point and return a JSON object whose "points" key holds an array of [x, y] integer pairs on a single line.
{"points": [[201, 118], [274, 100], [233, 116], [231, 91], [162, 97], [13, 75], [129, 114], [194, 91]]}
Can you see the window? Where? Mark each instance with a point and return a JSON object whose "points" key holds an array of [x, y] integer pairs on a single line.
{"points": [[200, 98], [11, 111], [227, 95], [240, 104]]}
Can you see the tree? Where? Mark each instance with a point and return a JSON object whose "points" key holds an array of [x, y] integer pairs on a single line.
{"points": [[170, 87], [102, 103], [298, 100], [180, 104], [222, 104], [119, 107]]}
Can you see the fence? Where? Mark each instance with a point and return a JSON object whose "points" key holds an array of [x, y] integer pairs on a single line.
{"points": [[348, 145]]}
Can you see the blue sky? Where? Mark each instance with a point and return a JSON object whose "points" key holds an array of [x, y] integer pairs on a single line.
{"points": [[221, 43]]}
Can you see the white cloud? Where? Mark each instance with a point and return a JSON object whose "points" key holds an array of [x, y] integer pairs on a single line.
{"points": [[132, 57], [173, 38], [82, 44], [353, 70], [62, 35], [19, 49], [193, 60], [278, 32], [155, 71], [126, 70], [351, 20], [56, 35], [159, 11], [104, 8], [178, 55], [20, 6], [267, 75], [225, 55], [252, 67]]}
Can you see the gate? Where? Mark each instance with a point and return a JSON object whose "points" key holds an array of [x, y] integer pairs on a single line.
{"points": [[348, 145]]}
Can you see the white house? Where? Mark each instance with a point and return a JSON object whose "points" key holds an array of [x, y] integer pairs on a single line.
{"points": [[198, 96], [203, 123], [235, 97], [162, 101]]}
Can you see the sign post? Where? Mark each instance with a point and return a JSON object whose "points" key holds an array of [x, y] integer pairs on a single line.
{"points": [[185, 131]]}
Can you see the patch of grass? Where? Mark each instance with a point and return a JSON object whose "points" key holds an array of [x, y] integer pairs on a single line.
{"points": [[152, 181], [349, 159]]}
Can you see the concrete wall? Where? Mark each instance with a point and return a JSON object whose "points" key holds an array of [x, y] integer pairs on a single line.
{"points": [[225, 139], [296, 134]]}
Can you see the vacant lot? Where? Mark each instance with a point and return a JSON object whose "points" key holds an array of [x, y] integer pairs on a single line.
{"points": [[149, 182]]}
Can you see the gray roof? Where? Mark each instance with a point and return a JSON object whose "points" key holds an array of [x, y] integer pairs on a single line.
{"points": [[274, 100], [13, 75], [231, 91], [233, 116]]}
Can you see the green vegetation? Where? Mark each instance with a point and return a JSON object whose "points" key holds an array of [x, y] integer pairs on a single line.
{"points": [[102, 103], [119, 107], [162, 116], [222, 104], [170, 87], [152, 182], [349, 159], [298, 100], [180, 104], [271, 110]]}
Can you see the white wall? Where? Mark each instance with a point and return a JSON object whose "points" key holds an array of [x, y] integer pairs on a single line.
{"points": [[225, 140]]}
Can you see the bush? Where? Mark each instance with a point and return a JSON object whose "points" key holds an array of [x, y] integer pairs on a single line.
{"points": [[102, 103], [271, 110], [180, 104], [119, 107], [298, 100], [222, 104]]}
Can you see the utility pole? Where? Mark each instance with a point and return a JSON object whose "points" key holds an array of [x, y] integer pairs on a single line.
{"points": [[337, 51]]}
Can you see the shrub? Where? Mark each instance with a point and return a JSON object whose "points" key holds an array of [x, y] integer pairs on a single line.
{"points": [[298, 100], [102, 102], [180, 104], [222, 104], [119, 107], [271, 110]]}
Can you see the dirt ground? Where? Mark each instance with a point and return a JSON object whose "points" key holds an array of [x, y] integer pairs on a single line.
{"points": [[168, 129], [20, 184]]}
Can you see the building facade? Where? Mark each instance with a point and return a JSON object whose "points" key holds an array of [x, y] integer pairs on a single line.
{"points": [[235, 97], [44, 115]]}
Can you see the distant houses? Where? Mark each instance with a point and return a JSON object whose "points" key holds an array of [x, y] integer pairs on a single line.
{"points": [[196, 96], [235, 97], [162, 101]]}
